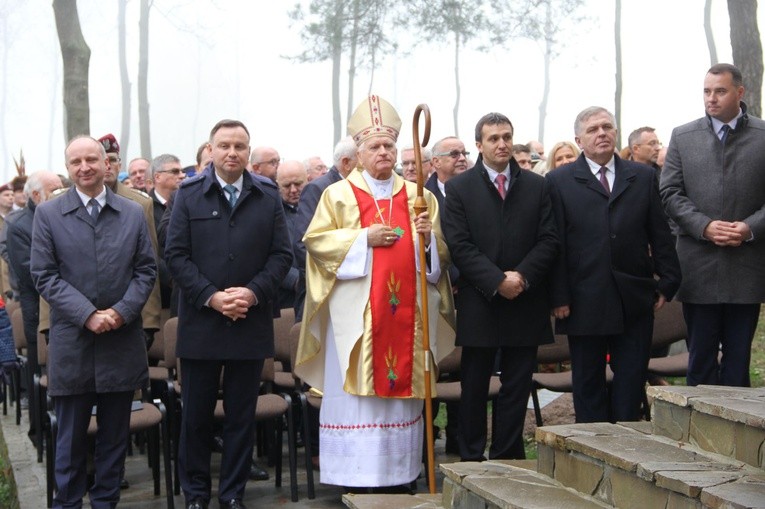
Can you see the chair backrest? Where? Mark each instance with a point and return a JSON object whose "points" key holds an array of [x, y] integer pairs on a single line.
{"points": [[554, 353], [451, 363], [157, 348], [669, 325], [170, 337], [282, 326], [267, 375], [294, 339], [17, 326]]}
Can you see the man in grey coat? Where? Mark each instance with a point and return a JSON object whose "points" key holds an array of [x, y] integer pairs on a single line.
{"points": [[713, 188], [93, 262]]}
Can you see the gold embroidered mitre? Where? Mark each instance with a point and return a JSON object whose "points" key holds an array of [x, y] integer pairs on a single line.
{"points": [[374, 117]]}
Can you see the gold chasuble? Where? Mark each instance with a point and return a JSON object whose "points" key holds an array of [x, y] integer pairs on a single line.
{"points": [[375, 319]]}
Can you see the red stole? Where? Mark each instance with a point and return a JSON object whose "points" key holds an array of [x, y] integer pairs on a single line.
{"points": [[393, 297]]}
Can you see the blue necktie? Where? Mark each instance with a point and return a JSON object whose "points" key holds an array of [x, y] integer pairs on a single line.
{"points": [[94, 209], [725, 130], [231, 190]]}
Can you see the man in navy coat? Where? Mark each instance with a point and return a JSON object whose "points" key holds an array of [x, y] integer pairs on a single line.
{"points": [[615, 238], [93, 262], [227, 250]]}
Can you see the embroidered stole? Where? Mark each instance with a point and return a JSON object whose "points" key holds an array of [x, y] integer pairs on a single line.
{"points": [[393, 298]]}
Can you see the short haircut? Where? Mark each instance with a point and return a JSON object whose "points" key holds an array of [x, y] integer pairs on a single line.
{"points": [[521, 149], [199, 152], [634, 136], [228, 123], [586, 113], [437, 145], [79, 137], [735, 72], [344, 148], [158, 162], [491, 119]]}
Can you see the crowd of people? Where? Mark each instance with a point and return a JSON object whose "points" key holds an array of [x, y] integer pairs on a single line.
{"points": [[519, 244]]}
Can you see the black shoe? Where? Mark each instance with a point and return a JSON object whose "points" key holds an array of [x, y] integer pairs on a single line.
{"points": [[124, 484], [196, 503], [257, 473], [234, 503]]}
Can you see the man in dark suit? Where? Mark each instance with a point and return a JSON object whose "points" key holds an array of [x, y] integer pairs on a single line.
{"points": [[227, 250], [291, 178], [499, 227], [344, 162], [93, 262], [165, 173], [615, 237]]}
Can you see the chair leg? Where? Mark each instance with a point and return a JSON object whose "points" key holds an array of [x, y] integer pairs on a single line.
{"points": [[50, 458], [307, 446], [37, 399], [537, 408], [292, 448], [165, 438], [16, 378]]}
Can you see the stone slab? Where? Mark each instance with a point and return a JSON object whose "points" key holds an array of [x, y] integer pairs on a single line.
{"points": [[747, 493], [670, 420], [713, 433], [690, 483], [556, 436], [738, 404], [417, 501]]}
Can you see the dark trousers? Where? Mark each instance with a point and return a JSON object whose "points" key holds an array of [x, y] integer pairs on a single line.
{"points": [[73, 414], [629, 353], [712, 327], [517, 365], [199, 394]]}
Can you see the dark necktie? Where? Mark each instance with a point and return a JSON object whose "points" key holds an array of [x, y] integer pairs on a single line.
{"points": [[604, 180], [725, 130], [231, 190], [500, 180], [94, 209]]}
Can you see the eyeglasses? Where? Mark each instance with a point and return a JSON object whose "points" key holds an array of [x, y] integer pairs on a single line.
{"points": [[454, 154], [114, 159], [272, 162], [174, 171]]}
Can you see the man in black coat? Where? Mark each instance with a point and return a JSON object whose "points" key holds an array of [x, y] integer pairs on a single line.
{"points": [[614, 237], [227, 250], [499, 227]]}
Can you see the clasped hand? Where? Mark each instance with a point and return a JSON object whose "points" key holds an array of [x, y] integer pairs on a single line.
{"points": [[724, 233], [381, 235], [512, 285], [233, 302], [104, 320]]}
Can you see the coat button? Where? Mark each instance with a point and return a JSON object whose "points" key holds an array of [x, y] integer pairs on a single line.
{"points": [[231, 257], [215, 213], [613, 235]]}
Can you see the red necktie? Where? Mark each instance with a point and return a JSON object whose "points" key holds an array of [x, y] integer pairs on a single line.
{"points": [[604, 180], [500, 180]]}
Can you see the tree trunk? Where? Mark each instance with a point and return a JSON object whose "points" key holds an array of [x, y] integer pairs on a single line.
{"points": [[143, 71], [618, 93], [747, 50], [708, 32], [124, 78], [548, 57], [53, 107], [4, 92], [336, 117], [352, 59], [456, 110], [76, 56]]}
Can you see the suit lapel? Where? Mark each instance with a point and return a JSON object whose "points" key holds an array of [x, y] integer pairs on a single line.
{"points": [[584, 176], [625, 175]]}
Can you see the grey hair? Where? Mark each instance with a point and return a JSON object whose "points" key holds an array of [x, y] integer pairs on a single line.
{"points": [[158, 162], [34, 183], [635, 135], [585, 115], [344, 148]]}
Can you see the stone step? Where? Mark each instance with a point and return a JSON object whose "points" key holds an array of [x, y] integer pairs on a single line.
{"points": [[416, 501], [503, 485], [625, 467], [724, 420]]}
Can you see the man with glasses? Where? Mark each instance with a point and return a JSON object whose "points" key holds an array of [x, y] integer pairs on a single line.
{"points": [[137, 171], [408, 166], [265, 161], [166, 173], [315, 168], [645, 146]]}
